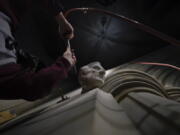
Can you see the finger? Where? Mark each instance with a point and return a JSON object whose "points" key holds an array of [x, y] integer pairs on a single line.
{"points": [[65, 35], [75, 60], [68, 35], [67, 32], [71, 36], [74, 57], [72, 51]]}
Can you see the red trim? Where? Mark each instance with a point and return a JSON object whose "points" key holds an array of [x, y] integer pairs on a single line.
{"points": [[159, 64]]}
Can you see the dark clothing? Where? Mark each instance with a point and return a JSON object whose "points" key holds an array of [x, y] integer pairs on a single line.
{"points": [[15, 81], [14, 8]]}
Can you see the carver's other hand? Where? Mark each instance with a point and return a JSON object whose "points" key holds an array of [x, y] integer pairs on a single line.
{"points": [[65, 28]]}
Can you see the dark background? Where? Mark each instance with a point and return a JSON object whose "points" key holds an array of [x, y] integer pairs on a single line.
{"points": [[99, 37]]}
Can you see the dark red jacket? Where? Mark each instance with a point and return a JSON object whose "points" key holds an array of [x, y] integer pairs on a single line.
{"points": [[17, 83]]}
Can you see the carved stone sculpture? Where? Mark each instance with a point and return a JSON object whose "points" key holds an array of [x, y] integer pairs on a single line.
{"points": [[91, 76]]}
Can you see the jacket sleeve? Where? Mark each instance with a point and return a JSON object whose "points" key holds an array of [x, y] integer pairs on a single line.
{"points": [[18, 84]]}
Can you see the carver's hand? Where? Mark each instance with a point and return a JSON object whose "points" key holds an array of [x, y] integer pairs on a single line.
{"points": [[65, 28], [70, 56]]}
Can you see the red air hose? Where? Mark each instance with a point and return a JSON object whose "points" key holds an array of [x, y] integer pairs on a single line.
{"points": [[159, 64], [138, 25]]}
